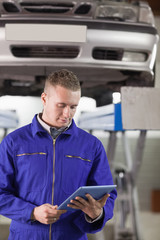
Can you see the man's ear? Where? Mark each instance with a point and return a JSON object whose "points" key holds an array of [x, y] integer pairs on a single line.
{"points": [[43, 98]]}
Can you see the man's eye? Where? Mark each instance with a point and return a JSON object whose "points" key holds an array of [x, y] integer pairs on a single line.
{"points": [[61, 105], [73, 107]]}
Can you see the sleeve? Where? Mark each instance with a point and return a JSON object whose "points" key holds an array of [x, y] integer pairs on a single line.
{"points": [[88, 219], [100, 175], [11, 205]]}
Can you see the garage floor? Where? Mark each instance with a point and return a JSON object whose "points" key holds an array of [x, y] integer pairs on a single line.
{"points": [[150, 223]]}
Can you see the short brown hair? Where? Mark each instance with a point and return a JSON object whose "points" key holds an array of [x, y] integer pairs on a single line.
{"points": [[64, 78]]}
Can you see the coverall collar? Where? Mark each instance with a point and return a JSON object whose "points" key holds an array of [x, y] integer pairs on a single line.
{"points": [[36, 127]]}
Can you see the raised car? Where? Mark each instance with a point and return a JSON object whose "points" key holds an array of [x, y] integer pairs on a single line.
{"points": [[108, 44]]}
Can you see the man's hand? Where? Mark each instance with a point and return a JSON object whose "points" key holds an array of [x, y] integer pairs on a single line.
{"points": [[91, 207], [46, 213]]}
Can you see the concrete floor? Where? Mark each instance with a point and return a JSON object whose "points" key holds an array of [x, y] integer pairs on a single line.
{"points": [[150, 226]]}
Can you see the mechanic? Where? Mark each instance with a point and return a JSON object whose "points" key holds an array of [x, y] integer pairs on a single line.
{"points": [[42, 163]]}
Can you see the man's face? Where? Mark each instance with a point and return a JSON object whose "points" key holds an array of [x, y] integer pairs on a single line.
{"points": [[59, 105]]}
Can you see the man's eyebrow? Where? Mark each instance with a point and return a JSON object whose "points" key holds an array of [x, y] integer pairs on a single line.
{"points": [[67, 104], [61, 103]]}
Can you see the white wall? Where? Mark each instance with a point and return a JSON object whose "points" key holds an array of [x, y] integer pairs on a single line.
{"points": [[27, 107]]}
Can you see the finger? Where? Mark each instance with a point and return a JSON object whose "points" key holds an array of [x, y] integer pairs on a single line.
{"points": [[50, 206], [62, 211], [90, 198], [55, 219], [53, 209], [81, 200], [55, 206], [72, 206], [103, 200], [105, 197], [48, 209], [56, 213], [50, 212], [77, 203], [52, 220]]}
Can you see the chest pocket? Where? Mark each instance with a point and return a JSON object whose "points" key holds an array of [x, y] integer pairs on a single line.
{"points": [[75, 171], [31, 171]]}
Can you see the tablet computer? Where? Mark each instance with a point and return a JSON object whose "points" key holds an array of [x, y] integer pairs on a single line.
{"points": [[97, 192]]}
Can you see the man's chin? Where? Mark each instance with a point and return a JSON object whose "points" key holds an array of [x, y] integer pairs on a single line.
{"points": [[64, 123]]}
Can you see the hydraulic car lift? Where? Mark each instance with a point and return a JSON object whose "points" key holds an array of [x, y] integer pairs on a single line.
{"points": [[115, 118], [125, 177]]}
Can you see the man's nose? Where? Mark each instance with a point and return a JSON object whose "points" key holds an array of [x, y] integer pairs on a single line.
{"points": [[66, 111]]}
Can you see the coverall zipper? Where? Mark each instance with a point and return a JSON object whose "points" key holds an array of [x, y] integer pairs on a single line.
{"points": [[54, 142]]}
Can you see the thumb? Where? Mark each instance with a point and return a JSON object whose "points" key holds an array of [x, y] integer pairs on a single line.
{"points": [[55, 206], [103, 200]]}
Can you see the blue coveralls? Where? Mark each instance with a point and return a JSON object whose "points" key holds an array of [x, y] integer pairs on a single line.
{"points": [[35, 170]]}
